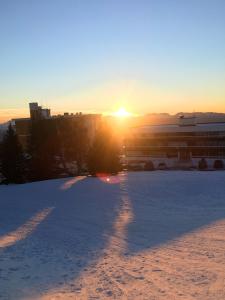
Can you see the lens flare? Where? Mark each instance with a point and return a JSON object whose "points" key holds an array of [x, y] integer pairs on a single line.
{"points": [[108, 178]]}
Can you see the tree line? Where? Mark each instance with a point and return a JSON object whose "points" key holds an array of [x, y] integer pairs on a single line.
{"points": [[57, 148]]}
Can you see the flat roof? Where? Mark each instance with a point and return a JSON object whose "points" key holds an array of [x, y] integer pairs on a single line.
{"points": [[199, 127]]}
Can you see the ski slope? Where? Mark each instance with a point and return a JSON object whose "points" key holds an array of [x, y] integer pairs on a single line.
{"points": [[145, 235]]}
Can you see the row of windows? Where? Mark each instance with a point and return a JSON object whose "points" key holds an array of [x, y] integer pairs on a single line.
{"points": [[184, 134], [164, 143], [176, 154]]}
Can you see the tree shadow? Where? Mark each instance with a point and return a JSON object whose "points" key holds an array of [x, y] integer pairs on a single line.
{"points": [[167, 205], [70, 237], [163, 205]]}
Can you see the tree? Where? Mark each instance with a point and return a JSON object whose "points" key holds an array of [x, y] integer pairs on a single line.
{"points": [[13, 162], [81, 144], [73, 142], [218, 164], [43, 148], [149, 166], [104, 154], [202, 164]]}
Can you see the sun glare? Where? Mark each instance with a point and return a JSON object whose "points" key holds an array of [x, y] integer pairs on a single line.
{"points": [[122, 112]]}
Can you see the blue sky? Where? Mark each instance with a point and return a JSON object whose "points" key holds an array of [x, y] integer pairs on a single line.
{"points": [[162, 55]]}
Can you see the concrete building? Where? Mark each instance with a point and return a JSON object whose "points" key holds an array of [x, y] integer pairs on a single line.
{"points": [[90, 122], [176, 146], [37, 112]]}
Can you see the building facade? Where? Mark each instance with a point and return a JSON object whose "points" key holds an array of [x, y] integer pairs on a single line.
{"points": [[177, 145], [90, 122], [37, 112]]}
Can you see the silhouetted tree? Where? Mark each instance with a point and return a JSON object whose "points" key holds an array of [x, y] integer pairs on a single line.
{"points": [[218, 164], [73, 142], [43, 150], [56, 146], [202, 164], [13, 162], [104, 154], [149, 166], [81, 145]]}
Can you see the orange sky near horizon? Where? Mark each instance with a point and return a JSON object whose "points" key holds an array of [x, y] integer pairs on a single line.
{"points": [[136, 97], [9, 114]]}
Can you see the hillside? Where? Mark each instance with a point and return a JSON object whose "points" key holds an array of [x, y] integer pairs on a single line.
{"points": [[147, 235]]}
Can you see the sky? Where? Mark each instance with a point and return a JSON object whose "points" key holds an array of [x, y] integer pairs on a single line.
{"points": [[99, 55]]}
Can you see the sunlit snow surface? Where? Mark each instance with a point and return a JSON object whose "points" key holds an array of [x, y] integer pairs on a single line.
{"points": [[144, 235]]}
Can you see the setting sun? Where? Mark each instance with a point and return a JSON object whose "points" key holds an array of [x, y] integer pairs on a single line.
{"points": [[122, 112]]}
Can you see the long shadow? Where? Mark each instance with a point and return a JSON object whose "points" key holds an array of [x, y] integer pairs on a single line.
{"points": [[18, 203], [167, 205], [164, 207], [70, 237]]}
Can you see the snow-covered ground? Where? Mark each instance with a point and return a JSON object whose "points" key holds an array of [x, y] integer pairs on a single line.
{"points": [[147, 235]]}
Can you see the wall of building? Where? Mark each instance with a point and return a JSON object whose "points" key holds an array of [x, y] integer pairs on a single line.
{"points": [[177, 146]]}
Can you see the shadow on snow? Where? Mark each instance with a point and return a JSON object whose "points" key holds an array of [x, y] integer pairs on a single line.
{"points": [[67, 238], [171, 204], [80, 219]]}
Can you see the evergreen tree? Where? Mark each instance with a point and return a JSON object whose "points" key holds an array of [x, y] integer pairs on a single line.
{"points": [[218, 164], [12, 166], [149, 166], [43, 147], [104, 154], [202, 164]]}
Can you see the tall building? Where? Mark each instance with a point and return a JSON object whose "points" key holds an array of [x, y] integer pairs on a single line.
{"points": [[37, 112], [90, 122]]}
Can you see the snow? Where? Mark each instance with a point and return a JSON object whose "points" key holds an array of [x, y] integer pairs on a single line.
{"points": [[145, 235]]}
